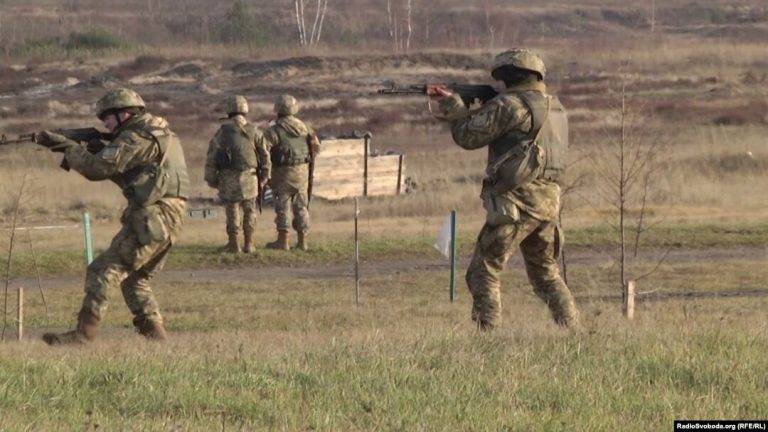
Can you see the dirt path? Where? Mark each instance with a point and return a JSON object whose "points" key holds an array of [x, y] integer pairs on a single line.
{"points": [[581, 257]]}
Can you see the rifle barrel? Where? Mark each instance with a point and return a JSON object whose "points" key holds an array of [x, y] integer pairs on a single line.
{"points": [[22, 139], [392, 91]]}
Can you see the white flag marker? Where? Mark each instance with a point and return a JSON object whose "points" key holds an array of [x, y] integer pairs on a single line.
{"points": [[443, 243]]}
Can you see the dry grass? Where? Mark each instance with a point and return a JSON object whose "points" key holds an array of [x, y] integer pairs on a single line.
{"points": [[257, 348], [296, 354]]}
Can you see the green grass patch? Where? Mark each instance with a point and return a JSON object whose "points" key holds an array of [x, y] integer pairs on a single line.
{"points": [[297, 354], [338, 250], [95, 40]]}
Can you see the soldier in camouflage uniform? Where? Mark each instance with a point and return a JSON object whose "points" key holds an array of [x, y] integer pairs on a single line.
{"points": [[235, 154], [525, 131], [145, 159], [292, 145]]}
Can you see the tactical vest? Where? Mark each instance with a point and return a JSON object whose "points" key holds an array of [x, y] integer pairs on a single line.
{"points": [[236, 151], [519, 158], [166, 178], [290, 150]]}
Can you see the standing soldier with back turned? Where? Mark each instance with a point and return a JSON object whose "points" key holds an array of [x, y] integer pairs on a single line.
{"points": [[238, 166], [145, 159], [293, 145], [526, 132]]}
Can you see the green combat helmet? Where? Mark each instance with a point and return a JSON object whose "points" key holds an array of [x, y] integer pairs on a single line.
{"points": [[519, 58], [236, 105], [118, 99], [286, 105]]}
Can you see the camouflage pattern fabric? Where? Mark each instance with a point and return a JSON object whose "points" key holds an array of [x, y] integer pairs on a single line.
{"points": [[504, 114], [141, 246], [286, 105], [289, 183], [129, 264], [289, 186], [240, 214], [117, 99], [233, 185], [522, 217], [522, 59], [540, 244]]}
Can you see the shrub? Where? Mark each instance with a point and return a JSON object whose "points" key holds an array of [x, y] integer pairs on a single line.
{"points": [[239, 26], [94, 39]]}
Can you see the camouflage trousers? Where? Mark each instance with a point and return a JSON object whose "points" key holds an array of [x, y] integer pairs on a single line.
{"points": [[289, 186], [135, 255], [540, 244], [240, 215]]}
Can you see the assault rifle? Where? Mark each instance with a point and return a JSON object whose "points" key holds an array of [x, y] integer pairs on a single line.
{"points": [[92, 137], [311, 174], [260, 196], [469, 93]]}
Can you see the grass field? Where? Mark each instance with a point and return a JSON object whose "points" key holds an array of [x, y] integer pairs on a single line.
{"points": [[297, 354], [275, 341]]}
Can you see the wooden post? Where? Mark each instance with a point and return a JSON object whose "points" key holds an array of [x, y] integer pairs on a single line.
{"points": [[20, 314], [357, 255], [400, 174], [366, 153], [629, 300]]}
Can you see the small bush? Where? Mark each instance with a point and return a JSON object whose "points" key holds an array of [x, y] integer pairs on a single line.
{"points": [[92, 40], [239, 26], [95, 39], [38, 47]]}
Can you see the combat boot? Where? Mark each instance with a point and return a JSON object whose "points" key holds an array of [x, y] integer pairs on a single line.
{"points": [[302, 243], [85, 331], [249, 245], [282, 241], [233, 245], [150, 329]]}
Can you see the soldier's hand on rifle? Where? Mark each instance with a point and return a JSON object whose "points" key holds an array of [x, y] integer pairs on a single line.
{"points": [[263, 182], [53, 141], [438, 91]]}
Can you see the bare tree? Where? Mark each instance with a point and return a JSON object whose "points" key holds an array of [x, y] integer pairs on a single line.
{"points": [[14, 221], [392, 22], [401, 27], [311, 39], [489, 25], [624, 170], [408, 14]]}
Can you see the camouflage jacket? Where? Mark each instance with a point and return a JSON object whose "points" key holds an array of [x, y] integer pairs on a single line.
{"points": [[500, 116], [234, 185], [295, 127], [128, 150]]}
